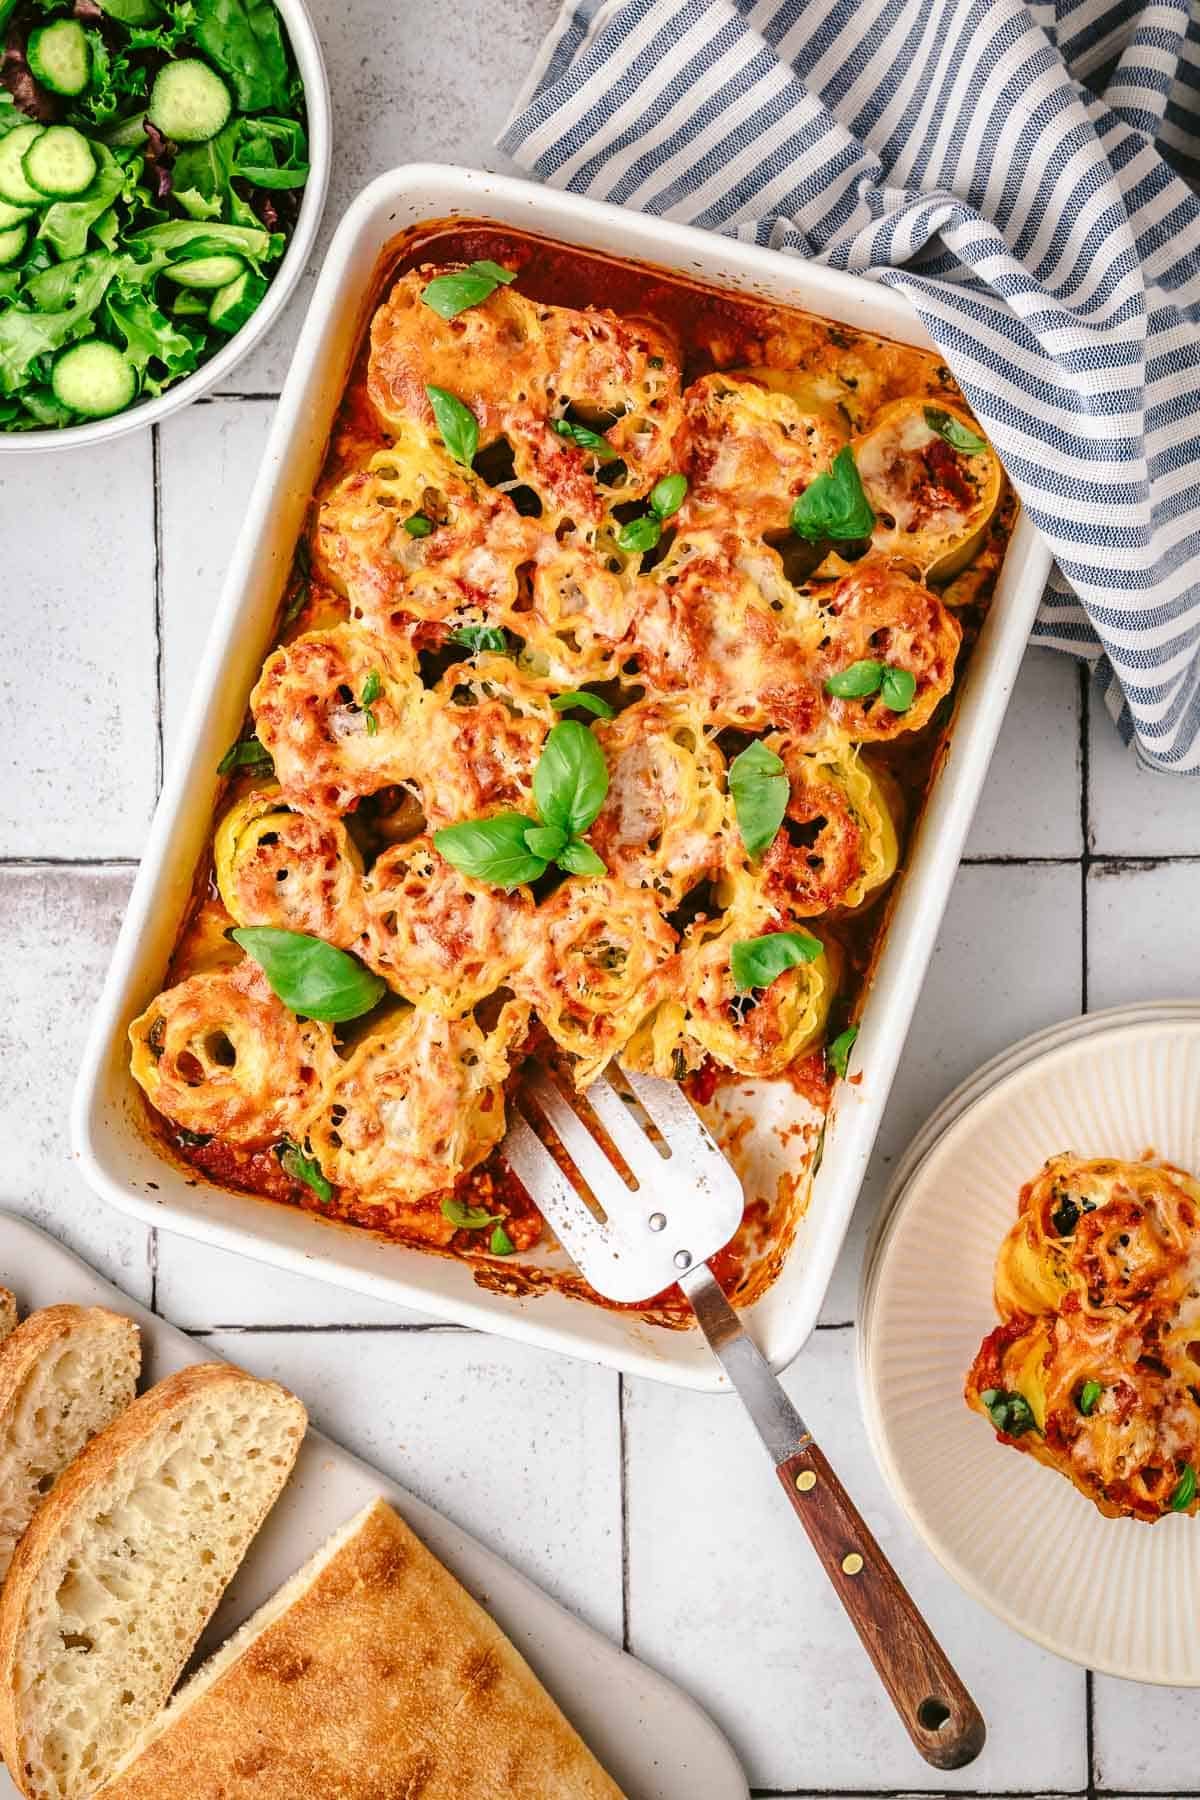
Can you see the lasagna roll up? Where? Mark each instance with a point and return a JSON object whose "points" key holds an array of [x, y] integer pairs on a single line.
{"points": [[589, 969], [662, 820], [837, 844], [219, 1055], [878, 613], [483, 729], [340, 712], [434, 935], [933, 498], [276, 866], [420, 1100], [757, 1032]]}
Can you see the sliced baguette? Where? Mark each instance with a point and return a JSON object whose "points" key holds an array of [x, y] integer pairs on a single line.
{"points": [[65, 1374], [371, 1673], [123, 1565], [8, 1313]]}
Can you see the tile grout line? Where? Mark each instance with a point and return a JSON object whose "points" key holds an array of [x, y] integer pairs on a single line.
{"points": [[623, 1491]]}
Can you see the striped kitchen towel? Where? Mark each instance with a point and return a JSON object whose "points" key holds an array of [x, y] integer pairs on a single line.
{"points": [[1022, 170]]}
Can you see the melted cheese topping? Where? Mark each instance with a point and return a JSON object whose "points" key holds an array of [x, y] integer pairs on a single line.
{"points": [[1098, 1288], [449, 601]]}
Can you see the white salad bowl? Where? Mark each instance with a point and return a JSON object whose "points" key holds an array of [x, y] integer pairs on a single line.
{"points": [[306, 47]]}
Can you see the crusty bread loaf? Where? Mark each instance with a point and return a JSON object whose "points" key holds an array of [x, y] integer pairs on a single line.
{"points": [[123, 1564], [371, 1673], [65, 1374], [8, 1313]]}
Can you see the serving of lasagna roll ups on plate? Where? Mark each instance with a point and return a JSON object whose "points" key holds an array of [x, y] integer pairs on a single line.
{"points": [[610, 676], [1094, 1369]]}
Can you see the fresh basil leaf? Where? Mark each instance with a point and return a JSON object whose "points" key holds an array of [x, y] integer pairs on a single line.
{"points": [[372, 688], [668, 495], [303, 1168], [313, 978], [640, 534], [584, 438], [500, 1244], [492, 849], [499, 274], [837, 1054], [449, 295], [457, 424], [596, 704], [578, 858], [480, 637], [757, 962], [1065, 1216], [1009, 1412], [417, 525], [1089, 1393], [834, 505], [761, 790], [571, 778], [1184, 1491], [956, 434], [856, 682], [247, 753], [467, 1218], [546, 841], [898, 689]]}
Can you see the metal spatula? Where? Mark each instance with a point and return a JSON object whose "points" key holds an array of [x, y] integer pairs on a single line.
{"points": [[674, 1204]]}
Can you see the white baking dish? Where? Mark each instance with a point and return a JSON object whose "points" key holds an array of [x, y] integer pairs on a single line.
{"points": [[108, 1123]]}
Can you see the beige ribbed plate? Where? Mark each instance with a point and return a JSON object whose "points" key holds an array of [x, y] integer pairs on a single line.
{"points": [[1114, 1594]]}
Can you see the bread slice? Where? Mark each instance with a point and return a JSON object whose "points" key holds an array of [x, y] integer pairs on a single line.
{"points": [[123, 1564], [371, 1673], [65, 1374], [8, 1313]]}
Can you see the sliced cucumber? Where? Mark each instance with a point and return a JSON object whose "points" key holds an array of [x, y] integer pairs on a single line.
{"points": [[190, 303], [59, 56], [12, 242], [94, 379], [59, 163], [232, 305], [12, 215], [188, 101], [205, 271], [13, 184]]}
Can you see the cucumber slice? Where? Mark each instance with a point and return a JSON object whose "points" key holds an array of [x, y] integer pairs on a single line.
{"points": [[12, 242], [93, 378], [190, 303], [205, 271], [188, 102], [12, 215], [59, 163], [59, 56], [233, 305], [13, 184]]}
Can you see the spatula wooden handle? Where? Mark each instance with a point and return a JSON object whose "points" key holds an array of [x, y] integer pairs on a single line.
{"points": [[938, 1713]]}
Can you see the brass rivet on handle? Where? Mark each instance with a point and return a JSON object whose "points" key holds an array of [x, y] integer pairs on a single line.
{"points": [[852, 1564], [806, 1479]]}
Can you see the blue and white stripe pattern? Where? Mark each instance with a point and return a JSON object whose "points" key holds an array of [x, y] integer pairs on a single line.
{"points": [[1020, 169]]}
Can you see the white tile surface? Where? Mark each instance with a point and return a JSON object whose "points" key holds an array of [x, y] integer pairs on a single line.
{"points": [[725, 1596], [77, 678], [57, 928], [208, 458], [1030, 806], [1146, 1737], [520, 1448], [1143, 933], [1137, 811], [1008, 961]]}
